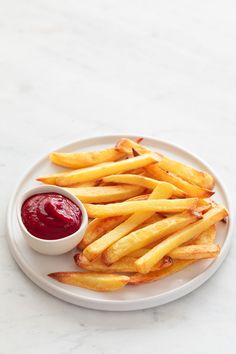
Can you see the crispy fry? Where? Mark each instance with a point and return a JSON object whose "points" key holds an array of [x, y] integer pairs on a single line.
{"points": [[129, 146], [146, 262], [195, 252], [189, 174], [98, 171], [97, 247], [142, 181], [105, 194], [98, 227], [177, 266], [92, 281], [154, 218], [125, 265], [207, 237], [50, 179], [191, 190], [129, 207], [145, 236], [85, 158], [140, 197]]}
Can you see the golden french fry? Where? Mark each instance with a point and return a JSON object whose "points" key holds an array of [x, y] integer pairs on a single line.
{"points": [[195, 252], [105, 194], [146, 262], [92, 281], [129, 207], [85, 158], [207, 237], [50, 179], [154, 218], [142, 181], [124, 265], [99, 171], [191, 190], [140, 197], [140, 252], [97, 247], [98, 227], [189, 174], [128, 146], [143, 237], [177, 266]]}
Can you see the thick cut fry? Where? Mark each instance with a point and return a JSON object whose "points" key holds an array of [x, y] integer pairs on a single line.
{"points": [[207, 237], [99, 171], [50, 179], [129, 207], [85, 158], [195, 252], [189, 174], [146, 262], [191, 190], [142, 181], [97, 247], [98, 227], [147, 235], [92, 281], [105, 194], [128, 147], [139, 197], [154, 218], [125, 265], [177, 266]]}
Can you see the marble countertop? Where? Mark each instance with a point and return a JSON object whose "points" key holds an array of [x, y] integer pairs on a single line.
{"points": [[73, 69]]}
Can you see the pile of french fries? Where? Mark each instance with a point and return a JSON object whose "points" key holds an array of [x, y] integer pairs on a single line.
{"points": [[150, 216]]}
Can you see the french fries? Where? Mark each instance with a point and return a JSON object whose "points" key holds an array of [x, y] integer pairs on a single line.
{"points": [[92, 281], [191, 190], [125, 265], [50, 179], [147, 235], [125, 208], [195, 252], [142, 181], [189, 250], [150, 216], [189, 174], [177, 266], [97, 247], [146, 262], [98, 227], [207, 237], [97, 171], [85, 159], [105, 194]]}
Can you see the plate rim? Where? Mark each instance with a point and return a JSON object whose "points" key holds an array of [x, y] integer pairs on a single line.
{"points": [[130, 304]]}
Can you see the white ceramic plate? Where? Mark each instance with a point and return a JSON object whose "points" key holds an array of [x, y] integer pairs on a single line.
{"points": [[37, 266]]}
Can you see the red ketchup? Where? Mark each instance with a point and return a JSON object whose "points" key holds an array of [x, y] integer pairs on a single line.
{"points": [[51, 216]]}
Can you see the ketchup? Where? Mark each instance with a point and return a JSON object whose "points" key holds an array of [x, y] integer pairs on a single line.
{"points": [[50, 216]]}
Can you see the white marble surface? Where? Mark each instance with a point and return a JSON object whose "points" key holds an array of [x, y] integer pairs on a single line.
{"points": [[70, 69]]}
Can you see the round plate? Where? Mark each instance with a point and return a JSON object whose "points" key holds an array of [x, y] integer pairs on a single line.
{"points": [[37, 266]]}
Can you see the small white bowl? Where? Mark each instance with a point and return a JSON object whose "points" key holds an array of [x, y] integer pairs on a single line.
{"points": [[59, 246]]}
